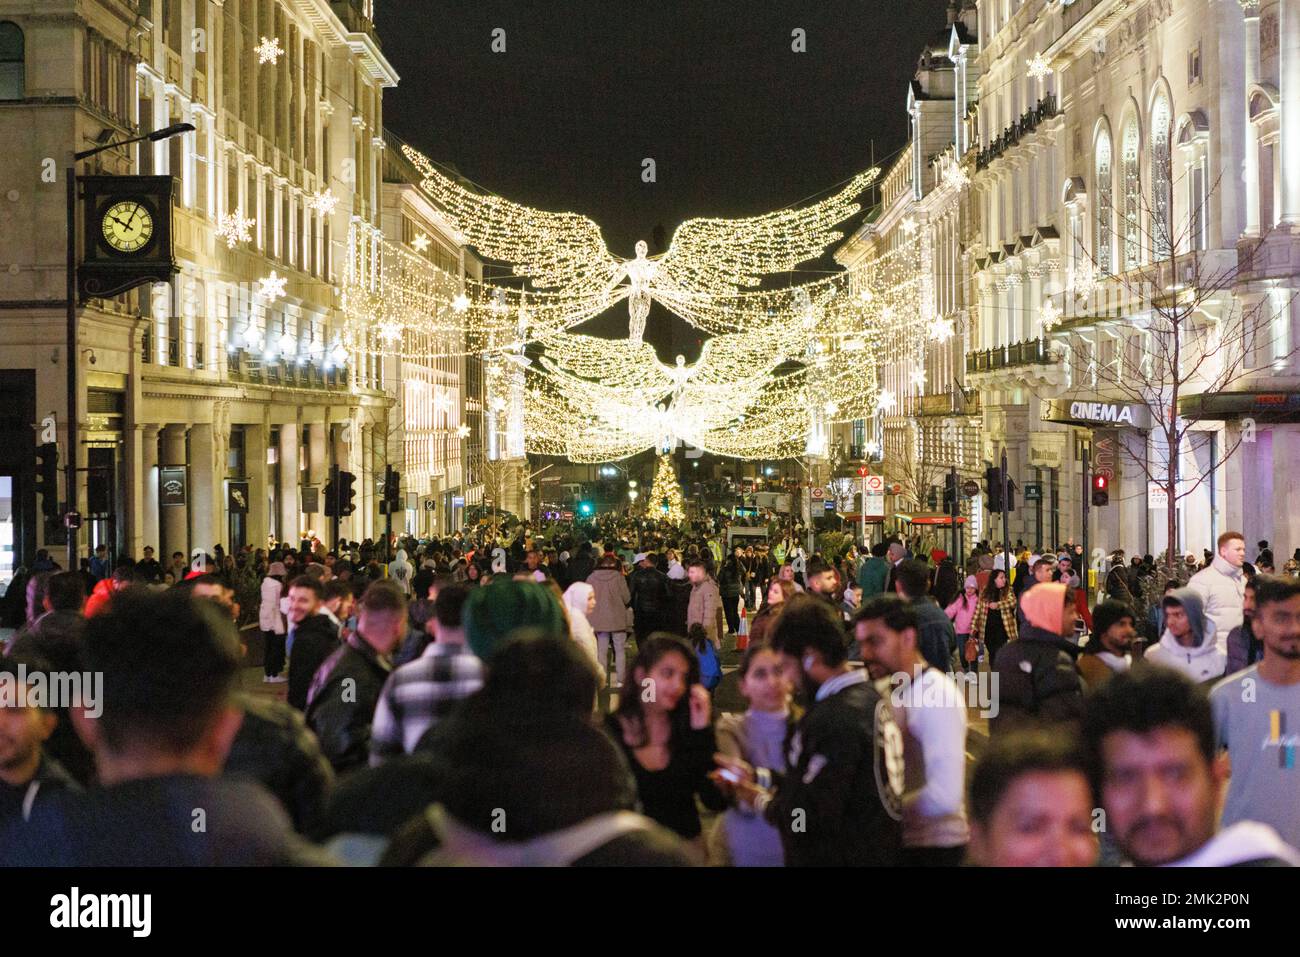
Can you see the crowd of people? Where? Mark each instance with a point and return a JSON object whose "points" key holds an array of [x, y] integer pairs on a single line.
{"points": [[548, 695]]}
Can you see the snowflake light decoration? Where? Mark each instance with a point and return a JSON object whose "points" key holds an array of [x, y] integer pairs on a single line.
{"points": [[235, 229], [268, 51], [1049, 314], [1039, 67], [325, 202], [955, 177], [909, 225], [421, 243], [941, 330], [462, 431]]}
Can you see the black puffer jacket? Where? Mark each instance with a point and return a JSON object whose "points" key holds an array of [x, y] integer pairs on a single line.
{"points": [[276, 749], [1037, 680], [651, 601]]}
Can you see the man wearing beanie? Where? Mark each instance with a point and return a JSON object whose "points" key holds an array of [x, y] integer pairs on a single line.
{"points": [[1108, 650]]}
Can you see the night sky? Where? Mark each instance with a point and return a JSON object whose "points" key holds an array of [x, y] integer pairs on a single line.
{"points": [[736, 122]]}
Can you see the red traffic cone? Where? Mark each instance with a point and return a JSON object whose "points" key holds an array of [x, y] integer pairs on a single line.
{"points": [[742, 633]]}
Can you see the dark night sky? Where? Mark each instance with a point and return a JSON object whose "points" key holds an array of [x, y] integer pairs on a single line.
{"points": [[736, 122]]}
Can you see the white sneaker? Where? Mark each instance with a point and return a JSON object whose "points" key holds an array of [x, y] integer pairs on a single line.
{"points": [[277, 679]]}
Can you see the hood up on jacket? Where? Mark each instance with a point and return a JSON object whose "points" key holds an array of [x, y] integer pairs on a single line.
{"points": [[1044, 607], [1202, 627]]}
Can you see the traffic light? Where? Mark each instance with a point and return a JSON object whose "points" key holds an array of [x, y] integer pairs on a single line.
{"points": [[47, 478], [331, 500], [347, 494], [1100, 491], [391, 503], [993, 479], [949, 493], [1011, 495]]}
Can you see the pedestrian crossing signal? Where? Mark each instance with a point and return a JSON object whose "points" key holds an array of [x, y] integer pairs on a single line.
{"points": [[1100, 491]]}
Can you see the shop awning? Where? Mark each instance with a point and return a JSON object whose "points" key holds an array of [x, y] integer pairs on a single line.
{"points": [[1267, 406]]}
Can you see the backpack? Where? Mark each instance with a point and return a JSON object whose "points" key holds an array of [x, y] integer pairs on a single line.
{"points": [[710, 666]]}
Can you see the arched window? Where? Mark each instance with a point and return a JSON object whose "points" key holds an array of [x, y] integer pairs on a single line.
{"points": [[1105, 204], [12, 55], [1161, 178], [1132, 179]]}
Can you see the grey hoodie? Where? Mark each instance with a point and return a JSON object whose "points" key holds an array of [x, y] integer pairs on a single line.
{"points": [[1203, 661]]}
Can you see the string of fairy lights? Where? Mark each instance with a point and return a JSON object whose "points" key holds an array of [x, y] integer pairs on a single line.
{"points": [[781, 364]]}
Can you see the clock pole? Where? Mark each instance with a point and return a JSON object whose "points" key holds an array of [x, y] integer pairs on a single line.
{"points": [[74, 534]]}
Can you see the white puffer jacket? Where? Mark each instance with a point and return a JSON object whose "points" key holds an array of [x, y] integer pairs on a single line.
{"points": [[1223, 590], [268, 613]]}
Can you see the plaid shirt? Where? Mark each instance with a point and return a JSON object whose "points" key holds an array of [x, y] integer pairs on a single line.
{"points": [[420, 694], [1008, 607]]}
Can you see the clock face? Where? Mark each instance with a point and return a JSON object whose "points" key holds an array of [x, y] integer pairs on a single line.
{"points": [[128, 226]]}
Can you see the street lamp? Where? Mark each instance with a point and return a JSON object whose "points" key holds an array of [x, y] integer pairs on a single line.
{"points": [[71, 173]]}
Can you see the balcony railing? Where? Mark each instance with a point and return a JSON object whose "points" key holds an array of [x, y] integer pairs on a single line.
{"points": [[1028, 352], [1029, 121], [244, 366]]}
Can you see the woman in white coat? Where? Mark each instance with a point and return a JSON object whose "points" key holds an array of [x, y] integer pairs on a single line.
{"points": [[271, 621], [579, 602]]}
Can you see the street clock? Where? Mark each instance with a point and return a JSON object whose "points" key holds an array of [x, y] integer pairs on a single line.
{"points": [[126, 233]]}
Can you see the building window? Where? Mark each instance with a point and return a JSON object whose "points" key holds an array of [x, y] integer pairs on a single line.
{"points": [[1132, 195], [1196, 201], [1194, 64], [1161, 178], [12, 56], [1105, 203]]}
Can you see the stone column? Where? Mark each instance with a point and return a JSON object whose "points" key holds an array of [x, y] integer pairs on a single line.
{"points": [[148, 514], [1289, 112], [258, 498], [207, 486], [176, 518], [290, 524], [1250, 10]]}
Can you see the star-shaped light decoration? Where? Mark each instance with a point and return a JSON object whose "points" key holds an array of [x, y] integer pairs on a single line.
{"points": [[1039, 67], [390, 331], [421, 243], [831, 407], [460, 303], [872, 448], [941, 330], [462, 431], [268, 51], [235, 229], [325, 202], [272, 286], [909, 225], [1049, 314], [865, 295], [886, 401], [918, 379]]}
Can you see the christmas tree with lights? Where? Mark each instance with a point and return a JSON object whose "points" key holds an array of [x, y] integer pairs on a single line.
{"points": [[666, 495]]}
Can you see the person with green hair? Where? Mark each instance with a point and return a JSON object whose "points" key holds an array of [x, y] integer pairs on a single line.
{"points": [[495, 612]]}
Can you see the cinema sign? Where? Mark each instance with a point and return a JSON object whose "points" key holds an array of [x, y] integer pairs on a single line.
{"points": [[1099, 413]]}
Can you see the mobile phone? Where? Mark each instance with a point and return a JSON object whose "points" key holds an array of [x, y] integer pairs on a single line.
{"points": [[730, 775]]}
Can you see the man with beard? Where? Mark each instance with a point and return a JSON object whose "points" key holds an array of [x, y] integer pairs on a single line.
{"points": [[1151, 745], [28, 774], [1250, 716], [1107, 651], [840, 801]]}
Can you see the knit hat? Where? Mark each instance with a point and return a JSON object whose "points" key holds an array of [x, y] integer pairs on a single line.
{"points": [[971, 582], [277, 568], [1107, 613]]}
